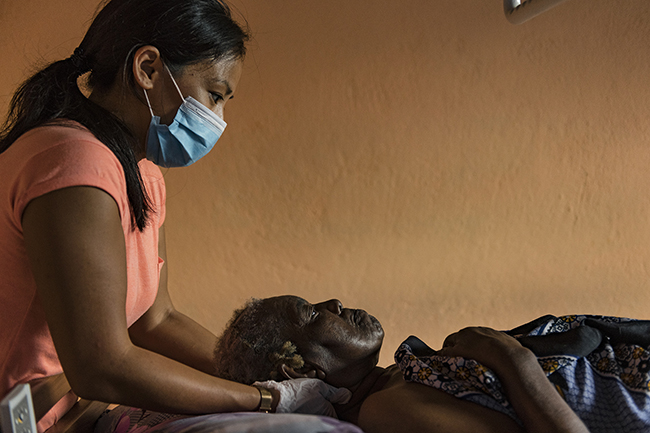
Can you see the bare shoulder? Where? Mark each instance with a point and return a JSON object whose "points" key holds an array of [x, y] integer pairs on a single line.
{"points": [[402, 406]]}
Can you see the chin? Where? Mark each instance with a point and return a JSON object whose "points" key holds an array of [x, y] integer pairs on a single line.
{"points": [[378, 330], [374, 325]]}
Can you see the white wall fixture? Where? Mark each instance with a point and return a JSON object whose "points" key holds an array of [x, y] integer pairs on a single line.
{"points": [[519, 11]]}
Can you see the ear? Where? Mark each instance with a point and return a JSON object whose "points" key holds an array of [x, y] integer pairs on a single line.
{"points": [[307, 370], [147, 66]]}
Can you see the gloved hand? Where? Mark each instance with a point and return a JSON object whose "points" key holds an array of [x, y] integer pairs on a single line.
{"points": [[306, 395]]}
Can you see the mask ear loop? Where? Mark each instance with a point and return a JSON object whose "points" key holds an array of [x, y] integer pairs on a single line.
{"points": [[175, 85], [148, 103]]}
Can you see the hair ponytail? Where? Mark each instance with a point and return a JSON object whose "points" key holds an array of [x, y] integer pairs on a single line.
{"points": [[41, 98], [53, 93], [185, 32]]}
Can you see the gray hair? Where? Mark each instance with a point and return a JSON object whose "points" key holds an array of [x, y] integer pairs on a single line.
{"points": [[254, 345]]}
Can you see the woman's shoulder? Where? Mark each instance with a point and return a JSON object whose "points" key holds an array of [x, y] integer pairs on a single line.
{"points": [[62, 145], [61, 148], [58, 156], [62, 134]]}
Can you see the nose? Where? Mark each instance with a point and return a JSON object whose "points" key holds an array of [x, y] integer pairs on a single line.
{"points": [[333, 305]]}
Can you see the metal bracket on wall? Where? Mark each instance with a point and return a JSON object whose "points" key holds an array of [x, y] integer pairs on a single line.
{"points": [[520, 11]]}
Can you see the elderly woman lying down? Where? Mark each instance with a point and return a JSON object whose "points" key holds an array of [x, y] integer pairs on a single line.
{"points": [[550, 375]]}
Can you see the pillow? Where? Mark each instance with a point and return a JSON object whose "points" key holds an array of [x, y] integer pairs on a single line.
{"points": [[130, 420]]}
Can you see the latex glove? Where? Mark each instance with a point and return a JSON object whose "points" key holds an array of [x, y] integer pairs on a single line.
{"points": [[306, 395]]}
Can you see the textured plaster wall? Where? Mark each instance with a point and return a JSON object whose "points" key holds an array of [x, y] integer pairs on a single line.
{"points": [[424, 160]]}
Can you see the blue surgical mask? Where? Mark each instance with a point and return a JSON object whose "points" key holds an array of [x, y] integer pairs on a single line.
{"points": [[191, 135]]}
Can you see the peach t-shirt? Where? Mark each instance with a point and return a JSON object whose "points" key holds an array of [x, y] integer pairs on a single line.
{"points": [[43, 160]]}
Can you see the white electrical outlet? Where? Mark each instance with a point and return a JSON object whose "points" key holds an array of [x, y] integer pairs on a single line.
{"points": [[17, 411]]}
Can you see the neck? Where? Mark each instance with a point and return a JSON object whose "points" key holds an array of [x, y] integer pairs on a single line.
{"points": [[123, 105], [373, 382]]}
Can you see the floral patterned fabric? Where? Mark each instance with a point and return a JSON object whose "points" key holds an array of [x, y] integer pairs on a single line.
{"points": [[608, 388]]}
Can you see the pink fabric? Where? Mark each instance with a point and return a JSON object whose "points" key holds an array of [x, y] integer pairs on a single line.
{"points": [[43, 160], [57, 411]]}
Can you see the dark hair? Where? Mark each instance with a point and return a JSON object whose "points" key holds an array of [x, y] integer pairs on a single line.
{"points": [[254, 344], [184, 31]]}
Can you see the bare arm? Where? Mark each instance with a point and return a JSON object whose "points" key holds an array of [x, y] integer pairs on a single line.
{"points": [[164, 330], [76, 249], [533, 397]]}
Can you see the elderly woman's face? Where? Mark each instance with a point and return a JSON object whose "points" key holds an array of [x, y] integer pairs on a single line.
{"points": [[342, 342]]}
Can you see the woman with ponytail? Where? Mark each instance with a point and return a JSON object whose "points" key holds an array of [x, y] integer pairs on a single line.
{"points": [[83, 286]]}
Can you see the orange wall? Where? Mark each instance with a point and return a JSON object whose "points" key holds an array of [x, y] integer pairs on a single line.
{"points": [[431, 163]]}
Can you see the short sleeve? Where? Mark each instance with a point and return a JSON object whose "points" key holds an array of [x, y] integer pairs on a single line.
{"points": [[73, 162]]}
